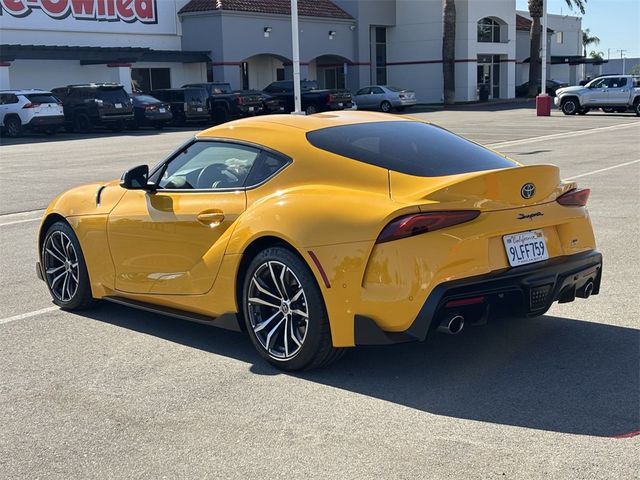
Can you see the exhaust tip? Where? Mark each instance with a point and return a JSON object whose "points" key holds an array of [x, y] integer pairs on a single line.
{"points": [[453, 324], [588, 289]]}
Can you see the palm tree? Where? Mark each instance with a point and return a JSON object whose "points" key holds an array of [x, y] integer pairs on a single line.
{"points": [[587, 40], [449, 51], [535, 12]]}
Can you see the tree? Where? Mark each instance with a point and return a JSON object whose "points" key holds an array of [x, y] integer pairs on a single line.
{"points": [[587, 40], [599, 56], [635, 70], [449, 51], [535, 12]]}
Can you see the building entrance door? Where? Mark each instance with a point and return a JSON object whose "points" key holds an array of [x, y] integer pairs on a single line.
{"points": [[489, 74]]}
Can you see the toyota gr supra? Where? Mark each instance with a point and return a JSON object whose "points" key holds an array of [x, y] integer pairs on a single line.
{"points": [[316, 233]]}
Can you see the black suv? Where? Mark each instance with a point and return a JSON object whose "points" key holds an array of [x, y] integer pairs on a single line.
{"points": [[187, 104], [94, 104]]}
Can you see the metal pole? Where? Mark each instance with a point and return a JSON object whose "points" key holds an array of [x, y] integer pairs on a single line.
{"points": [[543, 80], [296, 58]]}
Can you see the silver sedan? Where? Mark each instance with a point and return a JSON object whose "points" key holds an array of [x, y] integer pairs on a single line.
{"points": [[384, 97]]}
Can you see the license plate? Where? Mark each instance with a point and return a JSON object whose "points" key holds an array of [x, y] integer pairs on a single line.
{"points": [[163, 110], [118, 105], [340, 104], [251, 109], [281, 109], [199, 109], [525, 247]]}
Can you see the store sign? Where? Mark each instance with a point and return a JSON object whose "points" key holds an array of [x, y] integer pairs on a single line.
{"points": [[129, 11]]}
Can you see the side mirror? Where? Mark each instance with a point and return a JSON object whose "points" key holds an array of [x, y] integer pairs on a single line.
{"points": [[136, 178]]}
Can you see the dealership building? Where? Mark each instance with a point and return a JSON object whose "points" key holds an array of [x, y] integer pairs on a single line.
{"points": [[150, 44]]}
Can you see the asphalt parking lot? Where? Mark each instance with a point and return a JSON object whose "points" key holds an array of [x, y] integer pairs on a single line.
{"points": [[116, 393]]}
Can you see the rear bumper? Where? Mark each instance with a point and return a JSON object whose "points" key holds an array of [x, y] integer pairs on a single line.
{"points": [[46, 121], [528, 290]]}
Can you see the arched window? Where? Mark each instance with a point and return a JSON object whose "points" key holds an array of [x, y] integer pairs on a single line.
{"points": [[489, 30]]}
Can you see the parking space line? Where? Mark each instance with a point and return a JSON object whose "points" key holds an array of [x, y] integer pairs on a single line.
{"points": [[562, 135], [20, 221], [28, 315], [603, 169]]}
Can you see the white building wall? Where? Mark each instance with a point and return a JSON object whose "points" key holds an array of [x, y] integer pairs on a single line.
{"points": [[29, 73]]}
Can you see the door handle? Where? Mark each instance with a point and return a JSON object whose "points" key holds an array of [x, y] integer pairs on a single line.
{"points": [[210, 219]]}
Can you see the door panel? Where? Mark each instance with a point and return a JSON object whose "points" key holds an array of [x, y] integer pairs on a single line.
{"points": [[171, 242], [618, 92]]}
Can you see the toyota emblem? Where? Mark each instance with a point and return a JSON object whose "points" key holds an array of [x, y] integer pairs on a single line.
{"points": [[528, 190]]}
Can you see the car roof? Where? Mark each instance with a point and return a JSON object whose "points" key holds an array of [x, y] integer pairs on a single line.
{"points": [[304, 123], [26, 91]]}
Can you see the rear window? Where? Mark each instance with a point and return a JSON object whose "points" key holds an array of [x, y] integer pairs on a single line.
{"points": [[42, 98], [413, 148], [144, 98], [198, 95], [112, 94]]}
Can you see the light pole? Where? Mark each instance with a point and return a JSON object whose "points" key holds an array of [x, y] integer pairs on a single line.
{"points": [[297, 110], [543, 80]]}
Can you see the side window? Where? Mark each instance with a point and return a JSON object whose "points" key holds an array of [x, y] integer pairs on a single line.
{"points": [[363, 91], [265, 167], [9, 99], [210, 166], [376, 90], [598, 83]]}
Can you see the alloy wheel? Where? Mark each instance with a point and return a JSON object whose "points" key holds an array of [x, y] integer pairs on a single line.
{"points": [[278, 310], [61, 266]]}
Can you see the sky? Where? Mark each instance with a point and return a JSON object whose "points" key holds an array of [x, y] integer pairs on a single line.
{"points": [[615, 22]]}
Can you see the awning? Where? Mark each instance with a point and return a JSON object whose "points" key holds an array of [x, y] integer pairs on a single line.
{"points": [[571, 60], [98, 55]]}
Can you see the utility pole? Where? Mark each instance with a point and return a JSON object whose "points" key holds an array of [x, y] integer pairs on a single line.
{"points": [[296, 58], [624, 60]]}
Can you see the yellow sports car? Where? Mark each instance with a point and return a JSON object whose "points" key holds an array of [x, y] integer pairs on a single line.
{"points": [[322, 232]]}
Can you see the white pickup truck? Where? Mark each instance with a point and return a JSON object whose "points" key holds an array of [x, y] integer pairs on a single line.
{"points": [[610, 93]]}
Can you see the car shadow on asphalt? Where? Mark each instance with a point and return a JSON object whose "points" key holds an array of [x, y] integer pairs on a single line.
{"points": [[547, 373]]}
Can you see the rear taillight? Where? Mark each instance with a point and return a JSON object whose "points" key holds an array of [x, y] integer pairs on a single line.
{"points": [[240, 100], [331, 98], [410, 225], [28, 105], [574, 198], [150, 107]]}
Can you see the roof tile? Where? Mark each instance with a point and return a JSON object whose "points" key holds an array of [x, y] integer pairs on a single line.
{"points": [[306, 8]]}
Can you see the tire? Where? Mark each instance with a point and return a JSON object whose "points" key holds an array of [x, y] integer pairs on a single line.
{"points": [[219, 115], [13, 126], [583, 111], [82, 123], [636, 107], [386, 107], [570, 106], [280, 295], [311, 109], [64, 268]]}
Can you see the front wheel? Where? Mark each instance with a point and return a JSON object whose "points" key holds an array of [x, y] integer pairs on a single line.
{"points": [[284, 312], [570, 106], [385, 106], [64, 268]]}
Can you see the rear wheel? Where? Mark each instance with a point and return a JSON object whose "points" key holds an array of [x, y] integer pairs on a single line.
{"points": [[220, 115], [82, 123], [64, 268], [385, 106], [570, 106], [636, 107], [13, 126], [284, 312]]}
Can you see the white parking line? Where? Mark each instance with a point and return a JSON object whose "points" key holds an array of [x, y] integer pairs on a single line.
{"points": [[562, 135], [19, 217], [20, 221], [28, 315], [603, 169]]}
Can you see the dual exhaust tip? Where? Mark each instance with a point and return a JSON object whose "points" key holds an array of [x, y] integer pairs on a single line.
{"points": [[452, 324]]}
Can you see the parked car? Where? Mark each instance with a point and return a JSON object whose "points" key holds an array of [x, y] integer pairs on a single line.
{"points": [[312, 99], [617, 92], [384, 97], [95, 104], [413, 230], [225, 104], [148, 111], [29, 110], [272, 104], [187, 104], [552, 88]]}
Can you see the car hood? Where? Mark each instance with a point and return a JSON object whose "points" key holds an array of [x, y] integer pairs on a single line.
{"points": [[575, 89], [97, 198]]}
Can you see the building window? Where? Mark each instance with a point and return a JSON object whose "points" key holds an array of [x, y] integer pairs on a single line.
{"points": [[489, 31], [147, 79], [559, 37], [379, 50]]}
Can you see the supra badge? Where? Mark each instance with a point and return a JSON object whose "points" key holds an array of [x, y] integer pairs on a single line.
{"points": [[528, 190], [530, 216]]}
